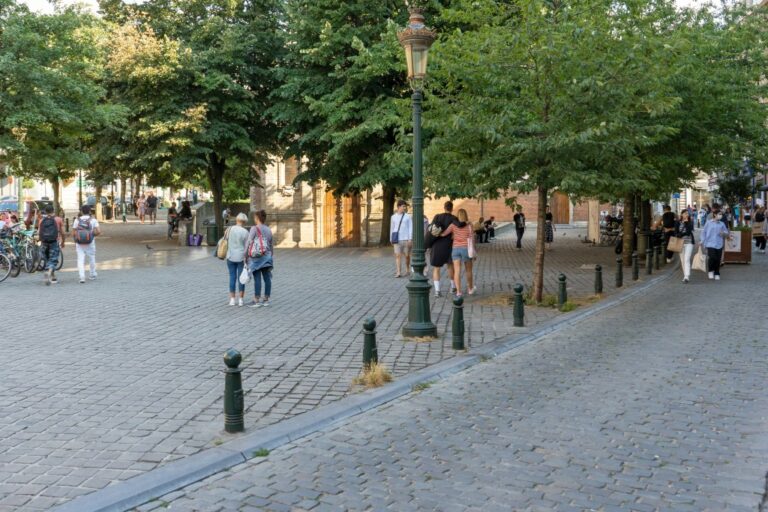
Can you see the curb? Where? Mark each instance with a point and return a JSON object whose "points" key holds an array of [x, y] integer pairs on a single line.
{"points": [[163, 480]]}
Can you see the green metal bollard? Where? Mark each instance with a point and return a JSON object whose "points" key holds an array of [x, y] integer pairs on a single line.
{"points": [[635, 267], [664, 252], [370, 351], [234, 405], [649, 261], [562, 294], [458, 324], [518, 310], [619, 272], [598, 279], [657, 251], [66, 227]]}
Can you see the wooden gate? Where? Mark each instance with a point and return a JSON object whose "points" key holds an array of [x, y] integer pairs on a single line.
{"points": [[341, 220], [560, 205]]}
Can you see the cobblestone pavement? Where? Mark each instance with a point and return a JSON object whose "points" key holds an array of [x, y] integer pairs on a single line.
{"points": [[657, 404], [103, 381]]}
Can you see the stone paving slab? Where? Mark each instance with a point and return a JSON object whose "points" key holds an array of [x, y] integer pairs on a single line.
{"points": [[658, 404], [107, 380]]}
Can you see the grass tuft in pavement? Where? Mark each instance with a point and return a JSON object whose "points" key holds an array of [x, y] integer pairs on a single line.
{"points": [[375, 376]]}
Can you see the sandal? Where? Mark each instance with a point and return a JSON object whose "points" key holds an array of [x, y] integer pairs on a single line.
{"points": [[397, 275]]}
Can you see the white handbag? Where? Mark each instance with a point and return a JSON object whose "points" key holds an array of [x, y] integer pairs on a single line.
{"points": [[245, 275]]}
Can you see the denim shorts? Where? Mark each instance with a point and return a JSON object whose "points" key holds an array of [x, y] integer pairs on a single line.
{"points": [[460, 253]]}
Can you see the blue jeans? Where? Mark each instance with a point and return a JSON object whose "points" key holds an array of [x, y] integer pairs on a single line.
{"points": [[51, 253], [235, 267], [265, 273]]}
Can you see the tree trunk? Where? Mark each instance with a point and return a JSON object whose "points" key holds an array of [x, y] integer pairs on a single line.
{"points": [[388, 208], [56, 184], [628, 229], [122, 190], [538, 267], [99, 212], [216, 168]]}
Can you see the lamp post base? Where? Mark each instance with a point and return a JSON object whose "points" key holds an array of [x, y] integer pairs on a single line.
{"points": [[419, 316]]}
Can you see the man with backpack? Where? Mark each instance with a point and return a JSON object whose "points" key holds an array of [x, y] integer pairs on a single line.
{"points": [[51, 235], [85, 230]]}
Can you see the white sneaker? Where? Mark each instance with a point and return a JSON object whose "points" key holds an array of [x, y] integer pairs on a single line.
{"points": [[711, 275], [472, 290], [232, 301], [717, 278], [240, 302], [438, 295], [685, 279]]}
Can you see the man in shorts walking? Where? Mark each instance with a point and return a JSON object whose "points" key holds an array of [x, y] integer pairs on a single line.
{"points": [[401, 236], [152, 207]]}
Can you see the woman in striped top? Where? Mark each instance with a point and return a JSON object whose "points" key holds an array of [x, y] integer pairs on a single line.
{"points": [[462, 236]]}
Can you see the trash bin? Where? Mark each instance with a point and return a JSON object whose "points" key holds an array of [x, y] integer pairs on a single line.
{"points": [[212, 234]]}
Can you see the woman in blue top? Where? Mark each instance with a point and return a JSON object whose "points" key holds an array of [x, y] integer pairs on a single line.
{"points": [[259, 258], [713, 239]]}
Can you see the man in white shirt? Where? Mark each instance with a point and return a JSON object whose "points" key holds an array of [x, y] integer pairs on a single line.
{"points": [[401, 236], [85, 230]]}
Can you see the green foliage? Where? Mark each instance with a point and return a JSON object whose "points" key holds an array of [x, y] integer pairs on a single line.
{"points": [[51, 95], [197, 77], [734, 188], [342, 103]]}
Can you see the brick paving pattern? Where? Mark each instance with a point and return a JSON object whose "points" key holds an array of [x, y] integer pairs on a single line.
{"points": [[106, 380], [658, 404]]}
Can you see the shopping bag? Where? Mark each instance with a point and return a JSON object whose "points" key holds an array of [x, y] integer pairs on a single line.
{"points": [[700, 260], [675, 244], [245, 275]]}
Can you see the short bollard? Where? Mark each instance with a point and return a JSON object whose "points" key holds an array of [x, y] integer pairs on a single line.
{"points": [[518, 310], [458, 324], [233, 392], [562, 294], [66, 227], [635, 267], [598, 279], [658, 257], [649, 261], [370, 351], [619, 272], [664, 253]]}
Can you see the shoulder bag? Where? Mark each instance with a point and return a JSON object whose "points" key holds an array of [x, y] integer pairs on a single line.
{"points": [[675, 244], [223, 246], [394, 237]]}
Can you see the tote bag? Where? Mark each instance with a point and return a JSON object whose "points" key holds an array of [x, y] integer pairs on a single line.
{"points": [[675, 244]]}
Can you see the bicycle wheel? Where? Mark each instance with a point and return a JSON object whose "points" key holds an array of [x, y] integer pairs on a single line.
{"points": [[30, 258], [60, 263], [5, 267], [15, 267]]}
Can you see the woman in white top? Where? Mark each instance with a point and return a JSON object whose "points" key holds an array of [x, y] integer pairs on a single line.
{"points": [[236, 238]]}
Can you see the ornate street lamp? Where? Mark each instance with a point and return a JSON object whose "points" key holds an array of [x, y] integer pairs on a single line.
{"points": [[416, 40]]}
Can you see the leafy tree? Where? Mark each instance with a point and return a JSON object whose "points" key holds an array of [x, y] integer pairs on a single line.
{"points": [[537, 96], [342, 102], [51, 96], [201, 74]]}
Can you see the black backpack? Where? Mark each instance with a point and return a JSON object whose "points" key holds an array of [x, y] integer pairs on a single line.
{"points": [[49, 231]]}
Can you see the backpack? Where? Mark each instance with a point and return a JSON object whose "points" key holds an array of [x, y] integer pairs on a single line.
{"points": [[83, 231], [257, 250], [48, 231]]}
